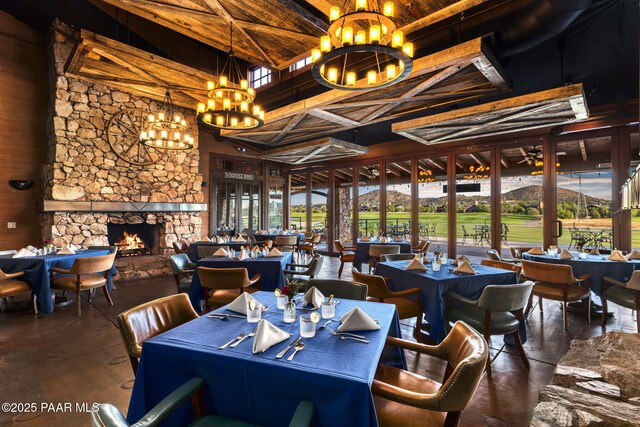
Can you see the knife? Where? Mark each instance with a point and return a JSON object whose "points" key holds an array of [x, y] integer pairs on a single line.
{"points": [[287, 348], [237, 316]]}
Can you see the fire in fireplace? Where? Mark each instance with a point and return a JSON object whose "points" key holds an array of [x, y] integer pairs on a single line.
{"points": [[131, 245], [133, 239]]}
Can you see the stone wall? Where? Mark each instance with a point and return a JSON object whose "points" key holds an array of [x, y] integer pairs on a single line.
{"points": [[343, 214], [82, 166]]}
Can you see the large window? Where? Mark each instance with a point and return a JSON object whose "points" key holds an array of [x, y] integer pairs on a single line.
{"points": [[275, 206], [399, 199], [473, 203], [259, 77], [635, 213], [432, 201], [319, 194], [300, 64], [298, 202], [369, 200]]}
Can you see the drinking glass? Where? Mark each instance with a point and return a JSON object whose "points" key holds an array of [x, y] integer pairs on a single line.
{"points": [[444, 258], [307, 327], [254, 315], [436, 266], [328, 309], [281, 301]]}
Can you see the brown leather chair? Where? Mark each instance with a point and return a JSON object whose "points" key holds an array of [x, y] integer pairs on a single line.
{"points": [[345, 255], [422, 247], [182, 269], [205, 251], [556, 282], [504, 266], [517, 251], [152, 318], [379, 291], [225, 284], [181, 246], [85, 274], [404, 398], [340, 288], [375, 251], [286, 243], [626, 294], [309, 246], [10, 286]]}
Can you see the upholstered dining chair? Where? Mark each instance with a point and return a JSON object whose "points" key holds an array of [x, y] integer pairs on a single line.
{"points": [[410, 399], [397, 257], [85, 274], [422, 247], [345, 255], [111, 248], [494, 255], [498, 311], [379, 291], [504, 266], [205, 251], [556, 282], [181, 246], [108, 415], [517, 251], [309, 246], [340, 288], [376, 251], [626, 294], [10, 285], [152, 318], [286, 243], [182, 269], [226, 284], [311, 270]]}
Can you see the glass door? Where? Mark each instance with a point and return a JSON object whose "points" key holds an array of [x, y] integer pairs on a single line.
{"points": [[250, 208], [237, 206], [225, 207]]}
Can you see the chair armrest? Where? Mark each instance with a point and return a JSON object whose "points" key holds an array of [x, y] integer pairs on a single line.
{"points": [[431, 350], [419, 400], [460, 298], [297, 265], [582, 278], [303, 415], [612, 281], [108, 415], [187, 271], [4, 275], [255, 279], [61, 270], [171, 402], [404, 293], [191, 265]]}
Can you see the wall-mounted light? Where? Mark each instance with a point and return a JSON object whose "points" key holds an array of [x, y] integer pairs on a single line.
{"points": [[20, 184], [241, 149]]}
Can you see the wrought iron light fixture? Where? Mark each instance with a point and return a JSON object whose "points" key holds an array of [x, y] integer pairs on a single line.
{"points": [[167, 130], [230, 104], [372, 172], [362, 50]]}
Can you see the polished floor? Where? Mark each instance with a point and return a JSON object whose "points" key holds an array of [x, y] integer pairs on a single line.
{"points": [[53, 362]]}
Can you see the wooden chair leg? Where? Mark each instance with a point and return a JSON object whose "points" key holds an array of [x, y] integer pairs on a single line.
{"points": [[78, 309], [487, 337], [587, 308], [106, 295], [564, 316], [520, 348], [603, 300], [340, 269], [529, 306], [35, 303], [540, 304]]}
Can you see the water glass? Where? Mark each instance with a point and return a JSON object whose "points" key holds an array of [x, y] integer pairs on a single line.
{"points": [[254, 315], [281, 301], [582, 255], [307, 327], [444, 258], [328, 309], [436, 266]]}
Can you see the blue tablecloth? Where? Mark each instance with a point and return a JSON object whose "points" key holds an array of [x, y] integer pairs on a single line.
{"points": [[37, 271], [270, 268], [263, 237], [596, 266], [362, 251], [336, 375], [192, 252], [434, 286]]}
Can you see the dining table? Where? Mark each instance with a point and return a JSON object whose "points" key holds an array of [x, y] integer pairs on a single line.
{"points": [[192, 252], [362, 250], [271, 269], [332, 373], [435, 284], [596, 266], [37, 271]]}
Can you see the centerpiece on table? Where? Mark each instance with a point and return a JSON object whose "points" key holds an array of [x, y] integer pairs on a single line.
{"points": [[291, 288]]}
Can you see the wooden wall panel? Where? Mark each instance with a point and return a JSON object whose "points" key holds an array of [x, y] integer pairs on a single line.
{"points": [[23, 114]]}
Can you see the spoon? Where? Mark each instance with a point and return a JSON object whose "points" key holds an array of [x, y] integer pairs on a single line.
{"points": [[296, 349], [325, 325]]}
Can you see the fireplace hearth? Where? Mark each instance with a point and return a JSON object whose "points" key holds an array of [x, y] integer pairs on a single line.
{"points": [[134, 239]]}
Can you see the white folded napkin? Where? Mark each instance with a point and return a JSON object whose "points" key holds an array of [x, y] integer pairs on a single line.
{"points": [[364, 239], [357, 320], [461, 259], [416, 265], [314, 297], [617, 256], [262, 232], [282, 233], [397, 239], [565, 254], [221, 252], [635, 254], [536, 251], [67, 250], [267, 336], [274, 252], [239, 239], [383, 239], [22, 253], [256, 249], [465, 268], [205, 239], [239, 305], [242, 255]]}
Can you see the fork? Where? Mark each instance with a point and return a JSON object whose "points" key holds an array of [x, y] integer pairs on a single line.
{"points": [[347, 334], [252, 333], [344, 337], [239, 337]]}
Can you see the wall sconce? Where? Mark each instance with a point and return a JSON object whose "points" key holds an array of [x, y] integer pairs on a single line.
{"points": [[20, 184]]}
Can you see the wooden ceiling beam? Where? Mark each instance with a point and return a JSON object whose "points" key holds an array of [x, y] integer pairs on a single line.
{"points": [[311, 154], [436, 164], [583, 150], [332, 117], [477, 159], [292, 123], [440, 15], [504, 162]]}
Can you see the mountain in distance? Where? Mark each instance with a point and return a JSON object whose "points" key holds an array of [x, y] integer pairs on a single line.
{"points": [[532, 194]]}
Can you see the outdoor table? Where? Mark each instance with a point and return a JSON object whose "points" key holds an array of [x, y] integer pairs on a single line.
{"points": [[435, 284], [269, 267], [37, 271], [334, 374], [362, 250]]}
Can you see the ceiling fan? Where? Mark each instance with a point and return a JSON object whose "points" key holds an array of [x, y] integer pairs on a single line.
{"points": [[534, 154]]}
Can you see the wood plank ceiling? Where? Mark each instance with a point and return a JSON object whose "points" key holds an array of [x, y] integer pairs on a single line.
{"points": [[314, 151], [541, 109], [460, 73], [274, 33], [102, 60]]}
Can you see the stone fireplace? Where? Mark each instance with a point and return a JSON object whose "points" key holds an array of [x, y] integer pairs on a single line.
{"points": [[134, 238]]}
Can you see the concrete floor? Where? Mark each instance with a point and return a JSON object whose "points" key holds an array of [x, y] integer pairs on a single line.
{"points": [[65, 359]]}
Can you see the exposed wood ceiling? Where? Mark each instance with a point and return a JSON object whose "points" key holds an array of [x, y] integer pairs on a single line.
{"points": [[102, 60], [463, 72], [541, 109], [314, 151], [274, 33]]}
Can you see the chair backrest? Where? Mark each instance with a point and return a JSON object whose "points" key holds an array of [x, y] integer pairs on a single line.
{"points": [[111, 249], [205, 251], [286, 240], [8, 252], [376, 284], [92, 264], [181, 246], [494, 255], [147, 320], [467, 352], [547, 272], [223, 278], [268, 243], [505, 297], [307, 234], [517, 251], [397, 257], [339, 246], [315, 239], [315, 265], [425, 246], [503, 265], [340, 288], [179, 262], [377, 250]]}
